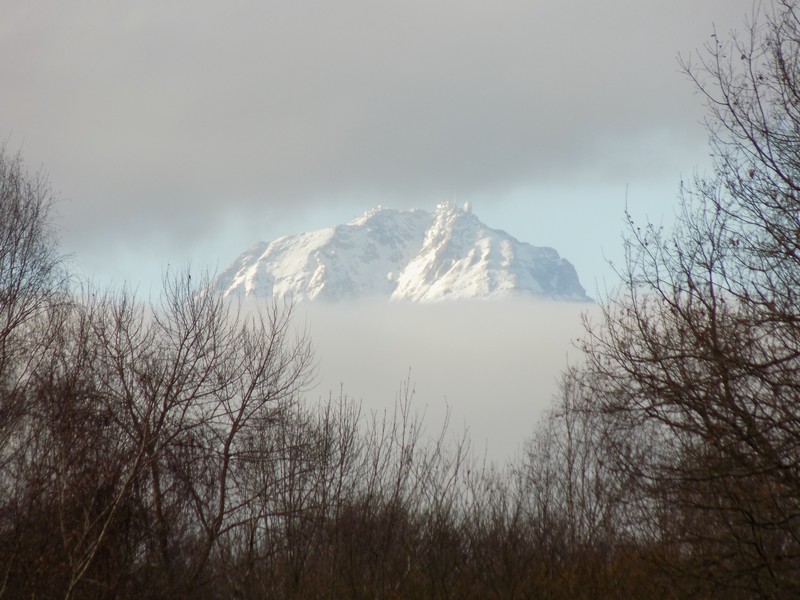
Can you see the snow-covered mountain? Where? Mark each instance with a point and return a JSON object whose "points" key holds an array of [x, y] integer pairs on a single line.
{"points": [[402, 256]]}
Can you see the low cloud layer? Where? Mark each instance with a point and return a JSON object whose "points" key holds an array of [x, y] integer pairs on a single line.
{"points": [[495, 365]]}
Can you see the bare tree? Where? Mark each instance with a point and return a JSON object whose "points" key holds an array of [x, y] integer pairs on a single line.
{"points": [[697, 359], [32, 280], [138, 422], [30, 265], [190, 383], [31, 276]]}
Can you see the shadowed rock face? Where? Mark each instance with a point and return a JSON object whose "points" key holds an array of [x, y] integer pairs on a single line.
{"points": [[413, 256]]}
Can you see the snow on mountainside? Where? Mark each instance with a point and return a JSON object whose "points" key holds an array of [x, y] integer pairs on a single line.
{"points": [[402, 256]]}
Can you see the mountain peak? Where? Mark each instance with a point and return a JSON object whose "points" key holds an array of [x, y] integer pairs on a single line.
{"points": [[410, 255]]}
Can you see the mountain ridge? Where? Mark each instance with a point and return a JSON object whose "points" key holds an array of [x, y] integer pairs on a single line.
{"points": [[410, 255]]}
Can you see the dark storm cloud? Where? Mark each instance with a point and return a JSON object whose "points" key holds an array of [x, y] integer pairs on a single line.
{"points": [[164, 116]]}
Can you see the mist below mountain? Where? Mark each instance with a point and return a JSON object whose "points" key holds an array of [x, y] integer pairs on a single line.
{"points": [[493, 365]]}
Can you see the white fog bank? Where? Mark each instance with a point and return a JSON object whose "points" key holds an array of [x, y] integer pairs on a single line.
{"points": [[495, 364]]}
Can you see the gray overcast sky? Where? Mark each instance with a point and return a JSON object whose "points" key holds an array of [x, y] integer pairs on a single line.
{"points": [[178, 130]]}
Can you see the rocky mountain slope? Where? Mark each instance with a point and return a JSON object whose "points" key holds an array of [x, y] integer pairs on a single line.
{"points": [[413, 256]]}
